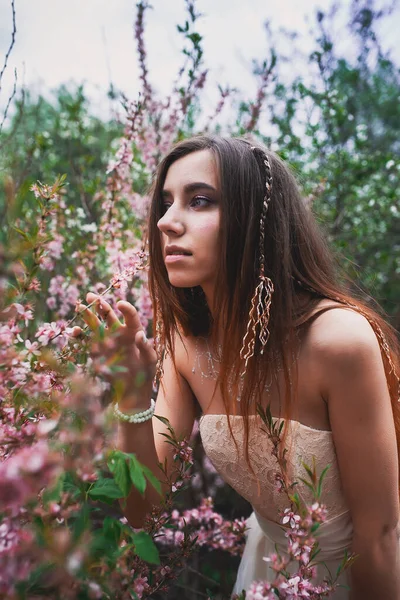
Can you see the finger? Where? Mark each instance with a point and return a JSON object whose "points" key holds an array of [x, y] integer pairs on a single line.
{"points": [[104, 310], [76, 332], [131, 316], [91, 320], [146, 350]]}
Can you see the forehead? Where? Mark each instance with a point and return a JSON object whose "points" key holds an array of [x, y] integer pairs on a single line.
{"points": [[196, 166]]}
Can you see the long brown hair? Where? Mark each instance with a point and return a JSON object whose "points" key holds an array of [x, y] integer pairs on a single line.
{"points": [[297, 258]]}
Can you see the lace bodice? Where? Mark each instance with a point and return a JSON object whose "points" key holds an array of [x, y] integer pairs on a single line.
{"points": [[303, 443]]}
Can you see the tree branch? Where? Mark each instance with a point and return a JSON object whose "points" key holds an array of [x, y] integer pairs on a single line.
{"points": [[14, 31], [9, 100]]}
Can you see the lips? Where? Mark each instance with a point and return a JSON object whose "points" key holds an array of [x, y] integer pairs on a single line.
{"points": [[176, 251]]}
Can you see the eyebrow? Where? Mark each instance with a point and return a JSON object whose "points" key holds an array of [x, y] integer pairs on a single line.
{"points": [[190, 187]]}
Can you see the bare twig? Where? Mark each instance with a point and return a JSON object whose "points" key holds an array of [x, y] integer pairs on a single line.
{"points": [[14, 31], [204, 577], [9, 100], [189, 589], [16, 122]]}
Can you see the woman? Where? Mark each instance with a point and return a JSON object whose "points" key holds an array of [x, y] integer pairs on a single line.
{"points": [[249, 310]]}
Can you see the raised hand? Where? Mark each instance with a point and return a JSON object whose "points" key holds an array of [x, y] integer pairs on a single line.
{"points": [[123, 345]]}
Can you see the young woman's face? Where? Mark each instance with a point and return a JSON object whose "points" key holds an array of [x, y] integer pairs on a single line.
{"points": [[191, 222]]}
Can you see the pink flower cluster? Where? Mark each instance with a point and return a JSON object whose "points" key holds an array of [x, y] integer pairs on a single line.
{"points": [[56, 331], [25, 472], [62, 295], [301, 544], [210, 528]]}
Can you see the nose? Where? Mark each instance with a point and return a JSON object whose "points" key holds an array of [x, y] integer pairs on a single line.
{"points": [[171, 222]]}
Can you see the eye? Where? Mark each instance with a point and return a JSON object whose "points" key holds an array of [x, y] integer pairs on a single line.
{"points": [[200, 201], [165, 205]]}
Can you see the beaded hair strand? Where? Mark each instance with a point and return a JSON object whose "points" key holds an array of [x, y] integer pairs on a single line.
{"points": [[159, 342], [261, 301]]}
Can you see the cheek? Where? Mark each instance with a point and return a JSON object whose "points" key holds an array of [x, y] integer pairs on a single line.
{"points": [[208, 230]]}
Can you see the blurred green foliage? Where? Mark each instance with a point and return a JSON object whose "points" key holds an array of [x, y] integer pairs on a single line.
{"points": [[46, 138], [337, 123]]}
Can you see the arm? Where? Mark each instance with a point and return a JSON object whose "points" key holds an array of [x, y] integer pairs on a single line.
{"points": [[354, 383], [176, 402]]}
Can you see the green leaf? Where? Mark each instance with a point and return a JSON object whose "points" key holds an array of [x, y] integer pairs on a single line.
{"points": [[163, 420], [112, 530], [70, 486], [314, 527], [117, 463], [145, 547], [152, 479], [307, 483], [136, 472], [81, 523], [310, 473], [321, 479], [23, 233], [105, 490]]}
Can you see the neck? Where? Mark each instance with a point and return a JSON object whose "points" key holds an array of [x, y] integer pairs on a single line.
{"points": [[209, 294]]}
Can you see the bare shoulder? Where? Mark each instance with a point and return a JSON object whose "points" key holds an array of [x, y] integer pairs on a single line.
{"points": [[348, 360], [342, 334]]}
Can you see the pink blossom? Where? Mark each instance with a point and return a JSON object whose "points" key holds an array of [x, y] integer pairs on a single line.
{"points": [[47, 332], [32, 349], [208, 526], [19, 474], [46, 263], [291, 518], [54, 248], [185, 453], [35, 189], [24, 313], [318, 512], [51, 302], [296, 587], [57, 331], [34, 285], [8, 333], [260, 590], [143, 304], [140, 585]]}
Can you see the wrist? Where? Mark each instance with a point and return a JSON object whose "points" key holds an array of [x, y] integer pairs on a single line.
{"points": [[136, 416], [132, 406]]}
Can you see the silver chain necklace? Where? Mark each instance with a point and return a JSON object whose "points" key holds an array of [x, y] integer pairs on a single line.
{"points": [[213, 372]]}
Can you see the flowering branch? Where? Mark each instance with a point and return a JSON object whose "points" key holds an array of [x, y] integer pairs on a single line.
{"points": [[264, 72], [142, 6], [302, 524]]}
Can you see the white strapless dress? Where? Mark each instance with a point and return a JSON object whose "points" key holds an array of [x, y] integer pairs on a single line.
{"points": [[265, 530]]}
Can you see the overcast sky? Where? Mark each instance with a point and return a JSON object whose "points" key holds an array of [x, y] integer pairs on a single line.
{"points": [[92, 40]]}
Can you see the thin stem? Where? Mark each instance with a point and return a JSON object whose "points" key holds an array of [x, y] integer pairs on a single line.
{"points": [[208, 579], [14, 31], [188, 589]]}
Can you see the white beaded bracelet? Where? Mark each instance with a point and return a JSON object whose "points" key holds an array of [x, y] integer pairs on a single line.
{"points": [[140, 417]]}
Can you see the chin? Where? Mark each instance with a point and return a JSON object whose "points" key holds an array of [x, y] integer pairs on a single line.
{"points": [[183, 282]]}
